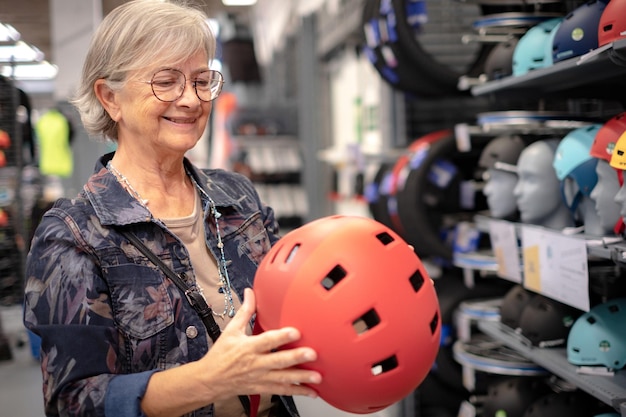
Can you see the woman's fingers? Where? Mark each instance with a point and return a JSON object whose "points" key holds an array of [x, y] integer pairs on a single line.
{"points": [[265, 361], [244, 313]]}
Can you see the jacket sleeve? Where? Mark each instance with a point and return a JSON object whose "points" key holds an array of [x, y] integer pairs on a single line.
{"points": [[68, 305]]}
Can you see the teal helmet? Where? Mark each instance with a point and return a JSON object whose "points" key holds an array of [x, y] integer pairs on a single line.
{"points": [[573, 160], [597, 336], [572, 157], [534, 49]]}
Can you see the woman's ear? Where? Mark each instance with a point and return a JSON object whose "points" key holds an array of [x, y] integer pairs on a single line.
{"points": [[107, 97]]}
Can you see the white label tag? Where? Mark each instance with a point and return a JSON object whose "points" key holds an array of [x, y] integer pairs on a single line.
{"points": [[555, 265], [506, 249]]}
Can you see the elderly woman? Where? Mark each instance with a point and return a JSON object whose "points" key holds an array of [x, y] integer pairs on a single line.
{"points": [[119, 336]]}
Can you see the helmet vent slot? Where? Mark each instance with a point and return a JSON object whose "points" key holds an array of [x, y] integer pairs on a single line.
{"points": [[385, 365], [417, 280], [591, 320], [366, 322], [292, 253], [333, 277], [385, 238], [433, 323], [607, 28], [613, 308]]}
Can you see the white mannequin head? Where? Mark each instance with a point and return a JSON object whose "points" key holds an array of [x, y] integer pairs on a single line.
{"points": [[604, 194], [620, 198], [538, 192], [499, 192], [585, 210]]}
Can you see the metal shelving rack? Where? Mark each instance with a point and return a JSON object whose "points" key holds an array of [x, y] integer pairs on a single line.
{"points": [[600, 74], [610, 389]]}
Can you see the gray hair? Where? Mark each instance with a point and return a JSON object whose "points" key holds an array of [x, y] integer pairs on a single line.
{"points": [[133, 36]]}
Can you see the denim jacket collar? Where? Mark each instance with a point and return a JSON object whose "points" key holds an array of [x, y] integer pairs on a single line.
{"points": [[114, 207]]}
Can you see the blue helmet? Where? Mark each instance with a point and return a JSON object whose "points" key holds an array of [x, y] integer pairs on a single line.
{"points": [[578, 32], [534, 49], [597, 337]]}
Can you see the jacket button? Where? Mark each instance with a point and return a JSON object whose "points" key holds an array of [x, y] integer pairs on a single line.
{"points": [[191, 332]]}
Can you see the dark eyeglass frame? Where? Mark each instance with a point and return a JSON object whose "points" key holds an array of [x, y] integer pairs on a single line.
{"points": [[214, 73]]}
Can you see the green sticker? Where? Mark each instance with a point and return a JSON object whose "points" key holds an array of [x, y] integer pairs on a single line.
{"points": [[578, 34]]}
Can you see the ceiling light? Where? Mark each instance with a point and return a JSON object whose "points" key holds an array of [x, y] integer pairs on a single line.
{"points": [[214, 25], [20, 52], [41, 71], [8, 34], [238, 2]]}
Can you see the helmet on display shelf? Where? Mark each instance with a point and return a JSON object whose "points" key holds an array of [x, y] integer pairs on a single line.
{"points": [[502, 153], [511, 396], [397, 176], [439, 191], [534, 49], [607, 136], [370, 310], [565, 403], [597, 337], [612, 24], [513, 304], [499, 62], [373, 194], [578, 32], [546, 322], [618, 157], [572, 159]]}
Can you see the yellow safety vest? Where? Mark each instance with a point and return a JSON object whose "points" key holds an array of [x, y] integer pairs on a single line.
{"points": [[55, 153]]}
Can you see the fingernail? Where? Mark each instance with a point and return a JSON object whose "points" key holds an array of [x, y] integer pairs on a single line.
{"points": [[315, 379]]}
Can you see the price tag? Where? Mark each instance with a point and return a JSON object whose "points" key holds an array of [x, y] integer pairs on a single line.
{"points": [[555, 265], [506, 250]]}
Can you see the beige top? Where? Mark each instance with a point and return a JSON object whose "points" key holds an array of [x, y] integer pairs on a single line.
{"points": [[190, 231]]}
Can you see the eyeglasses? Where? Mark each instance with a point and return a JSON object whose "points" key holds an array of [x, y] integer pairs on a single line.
{"points": [[169, 84]]}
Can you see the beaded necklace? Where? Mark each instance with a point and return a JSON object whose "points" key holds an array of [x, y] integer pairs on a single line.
{"points": [[121, 178], [225, 286]]}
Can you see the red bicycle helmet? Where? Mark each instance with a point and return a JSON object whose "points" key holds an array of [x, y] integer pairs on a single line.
{"points": [[602, 148], [607, 136], [612, 25], [362, 299]]}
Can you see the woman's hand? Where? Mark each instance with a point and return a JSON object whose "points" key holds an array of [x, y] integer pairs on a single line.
{"points": [[237, 364], [242, 364]]}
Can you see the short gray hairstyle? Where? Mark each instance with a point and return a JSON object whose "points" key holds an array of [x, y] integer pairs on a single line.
{"points": [[133, 36]]}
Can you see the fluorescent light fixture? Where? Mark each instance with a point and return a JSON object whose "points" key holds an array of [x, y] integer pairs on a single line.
{"points": [[8, 34], [216, 65], [238, 2], [20, 52], [214, 25], [27, 72]]}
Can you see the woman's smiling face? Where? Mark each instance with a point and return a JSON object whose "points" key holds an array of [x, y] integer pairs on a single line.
{"points": [[176, 125]]}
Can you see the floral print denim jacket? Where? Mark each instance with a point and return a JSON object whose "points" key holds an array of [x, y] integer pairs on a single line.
{"points": [[107, 316]]}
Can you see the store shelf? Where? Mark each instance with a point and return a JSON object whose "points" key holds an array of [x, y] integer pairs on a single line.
{"points": [[614, 251], [603, 248], [609, 389], [597, 73]]}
